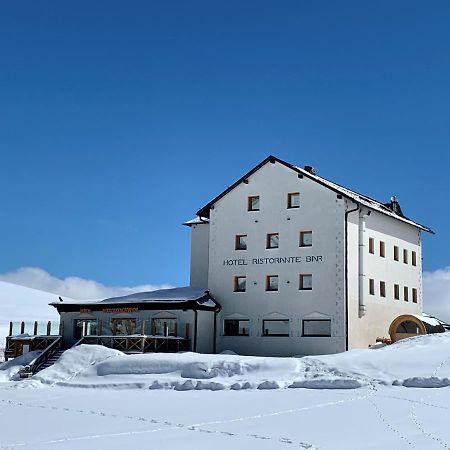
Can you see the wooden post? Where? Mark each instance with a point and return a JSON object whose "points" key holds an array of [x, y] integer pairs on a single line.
{"points": [[10, 328], [153, 327], [35, 328], [143, 327], [49, 328], [187, 331], [22, 328]]}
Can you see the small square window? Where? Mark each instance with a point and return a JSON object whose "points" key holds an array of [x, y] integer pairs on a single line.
{"points": [[240, 284], [272, 283], [405, 256], [414, 258], [306, 239], [371, 286], [414, 295], [236, 327], [396, 292], [371, 246], [405, 293], [241, 242], [253, 203], [305, 282], [382, 289], [293, 200], [395, 253], [382, 249], [273, 240]]}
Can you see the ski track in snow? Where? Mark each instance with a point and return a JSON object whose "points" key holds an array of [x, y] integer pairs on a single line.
{"points": [[171, 426], [422, 401]]}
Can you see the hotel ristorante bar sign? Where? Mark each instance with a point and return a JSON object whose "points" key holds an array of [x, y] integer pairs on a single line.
{"points": [[277, 260]]}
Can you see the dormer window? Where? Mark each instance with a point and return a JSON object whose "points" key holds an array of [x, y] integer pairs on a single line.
{"points": [[293, 200], [253, 203]]}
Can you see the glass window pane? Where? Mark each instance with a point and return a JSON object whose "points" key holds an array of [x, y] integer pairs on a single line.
{"points": [[306, 238], [273, 240], [306, 281], [241, 242], [276, 327], [236, 327], [294, 200], [317, 327], [240, 284], [123, 326], [165, 327], [272, 283]]}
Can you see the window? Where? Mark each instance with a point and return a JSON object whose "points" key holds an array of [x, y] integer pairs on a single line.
{"points": [[414, 258], [85, 327], [276, 327], [396, 292], [371, 286], [293, 200], [382, 289], [305, 238], [164, 327], [414, 295], [240, 284], [319, 328], [405, 256], [241, 242], [405, 293], [305, 282], [371, 246], [123, 326], [272, 283], [272, 240], [236, 327], [395, 253], [382, 249], [253, 203]]}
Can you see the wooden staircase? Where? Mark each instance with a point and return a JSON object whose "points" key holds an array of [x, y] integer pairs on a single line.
{"points": [[51, 360]]}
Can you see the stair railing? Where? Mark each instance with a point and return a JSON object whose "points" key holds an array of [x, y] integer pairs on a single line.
{"points": [[37, 364]]}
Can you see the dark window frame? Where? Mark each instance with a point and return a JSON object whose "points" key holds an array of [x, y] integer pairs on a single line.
{"points": [[250, 203], [268, 283], [371, 286], [315, 335], [302, 238], [289, 200], [268, 240], [301, 282], [383, 289], [236, 283], [237, 242], [236, 320], [276, 334]]}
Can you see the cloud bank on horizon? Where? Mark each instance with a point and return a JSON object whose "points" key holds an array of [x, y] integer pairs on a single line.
{"points": [[436, 287], [73, 287], [436, 293]]}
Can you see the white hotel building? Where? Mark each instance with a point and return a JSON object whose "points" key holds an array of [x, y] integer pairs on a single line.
{"points": [[303, 266]]}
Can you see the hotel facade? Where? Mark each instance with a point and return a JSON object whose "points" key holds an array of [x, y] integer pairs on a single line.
{"points": [[303, 266]]}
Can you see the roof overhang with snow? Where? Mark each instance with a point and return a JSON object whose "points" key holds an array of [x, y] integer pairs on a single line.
{"points": [[354, 196], [177, 298]]}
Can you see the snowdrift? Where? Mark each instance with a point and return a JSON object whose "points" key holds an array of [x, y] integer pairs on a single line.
{"points": [[422, 361]]}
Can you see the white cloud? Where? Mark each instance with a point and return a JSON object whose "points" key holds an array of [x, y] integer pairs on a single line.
{"points": [[436, 293], [74, 287]]}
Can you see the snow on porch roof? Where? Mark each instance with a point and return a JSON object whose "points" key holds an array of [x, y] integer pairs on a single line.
{"points": [[171, 296]]}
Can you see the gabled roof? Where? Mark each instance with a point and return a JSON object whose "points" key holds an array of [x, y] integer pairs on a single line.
{"points": [[345, 192], [180, 298]]}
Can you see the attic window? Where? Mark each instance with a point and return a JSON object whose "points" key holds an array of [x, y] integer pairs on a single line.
{"points": [[253, 203], [293, 200]]}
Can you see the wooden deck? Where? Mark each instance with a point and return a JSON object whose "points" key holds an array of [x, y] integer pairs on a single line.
{"points": [[140, 343]]}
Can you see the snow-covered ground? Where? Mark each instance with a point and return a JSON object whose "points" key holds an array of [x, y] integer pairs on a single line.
{"points": [[18, 303], [394, 397]]}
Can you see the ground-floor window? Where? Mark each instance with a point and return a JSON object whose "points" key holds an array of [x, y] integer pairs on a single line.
{"points": [[164, 327], [317, 328], [232, 327], [123, 326], [276, 327], [85, 327]]}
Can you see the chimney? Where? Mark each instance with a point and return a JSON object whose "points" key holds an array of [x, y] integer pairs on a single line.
{"points": [[310, 169], [394, 206]]}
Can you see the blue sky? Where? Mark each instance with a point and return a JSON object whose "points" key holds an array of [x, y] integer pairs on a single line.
{"points": [[118, 120]]}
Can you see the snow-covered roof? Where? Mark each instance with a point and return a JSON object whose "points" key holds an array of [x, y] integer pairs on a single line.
{"points": [[196, 221], [345, 192], [185, 294]]}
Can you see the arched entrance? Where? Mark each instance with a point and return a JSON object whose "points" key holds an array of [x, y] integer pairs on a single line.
{"points": [[406, 326]]}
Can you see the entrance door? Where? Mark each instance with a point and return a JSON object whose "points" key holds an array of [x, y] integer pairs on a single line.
{"points": [[85, 327]]}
